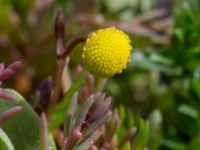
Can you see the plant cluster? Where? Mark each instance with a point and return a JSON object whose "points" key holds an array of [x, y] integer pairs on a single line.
{"points": [[153, 104]]}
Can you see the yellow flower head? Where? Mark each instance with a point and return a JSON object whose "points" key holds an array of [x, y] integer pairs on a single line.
{"points": [[107, 52]]}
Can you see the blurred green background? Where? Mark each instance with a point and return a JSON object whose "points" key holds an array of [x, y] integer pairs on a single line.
{"points": [[162, 81]]}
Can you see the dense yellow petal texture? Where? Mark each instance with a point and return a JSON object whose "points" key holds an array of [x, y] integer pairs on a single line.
{"points": [[107, 52]]}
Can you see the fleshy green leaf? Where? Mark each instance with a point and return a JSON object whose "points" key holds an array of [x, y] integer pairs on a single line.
{"points": [[171, 144], [85, 145], [189, 111], [142, 135], [5, 143], [23, 127], [126, 146]]}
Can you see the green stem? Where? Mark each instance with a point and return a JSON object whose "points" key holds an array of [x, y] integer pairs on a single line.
{"points": [[101, 84]]}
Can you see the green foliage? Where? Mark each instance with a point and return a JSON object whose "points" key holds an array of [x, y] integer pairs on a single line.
{"points": [[159, 92], [166, 78], [5, 17], [85, 145], [126, 146], [5, 143], [59, 111], [23, 128], [128, 121], [155, 130]]}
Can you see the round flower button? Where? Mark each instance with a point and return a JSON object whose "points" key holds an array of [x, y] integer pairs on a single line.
{"points": [[107, 52]]}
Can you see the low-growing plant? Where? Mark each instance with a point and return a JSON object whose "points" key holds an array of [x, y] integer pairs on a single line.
{"points": [[82, 118]]}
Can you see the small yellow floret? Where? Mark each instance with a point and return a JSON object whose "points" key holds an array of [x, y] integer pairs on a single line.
{"points": [[107, 52]]}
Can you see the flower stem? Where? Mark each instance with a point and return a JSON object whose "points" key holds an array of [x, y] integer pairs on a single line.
{"points": [[58, 79], [61, 52], [73, 44], [101, 84]]}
